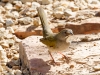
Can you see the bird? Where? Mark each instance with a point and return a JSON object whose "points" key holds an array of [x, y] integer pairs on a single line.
{"points": [[55, 42]]}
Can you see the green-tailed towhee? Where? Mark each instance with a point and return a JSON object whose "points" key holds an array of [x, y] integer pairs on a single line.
{"points": [[54, 41]]}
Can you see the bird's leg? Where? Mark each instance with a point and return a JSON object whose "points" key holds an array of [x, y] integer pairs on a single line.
{"points": [[51, 56], [65, 57], [53, 61]]}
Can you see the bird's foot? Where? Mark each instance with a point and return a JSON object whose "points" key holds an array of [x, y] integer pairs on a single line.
{"points": [[66, 59], [52, 62]]}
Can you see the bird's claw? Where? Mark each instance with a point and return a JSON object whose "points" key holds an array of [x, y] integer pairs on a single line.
{"points": [[52, 62], [66, 59]]}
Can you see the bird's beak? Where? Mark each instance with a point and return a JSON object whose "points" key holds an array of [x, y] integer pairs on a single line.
{"points": [[71, 33]]}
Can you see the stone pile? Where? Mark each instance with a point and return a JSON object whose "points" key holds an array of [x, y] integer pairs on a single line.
{"points": [[19, 15]]}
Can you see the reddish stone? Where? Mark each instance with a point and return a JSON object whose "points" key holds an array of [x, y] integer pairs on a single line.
{"points": [[33, 55]]}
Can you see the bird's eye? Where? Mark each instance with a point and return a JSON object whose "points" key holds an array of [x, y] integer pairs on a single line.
{"points": [[65, 32]]}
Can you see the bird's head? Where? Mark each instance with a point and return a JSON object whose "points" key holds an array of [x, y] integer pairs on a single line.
{"points": [[65, 33]]}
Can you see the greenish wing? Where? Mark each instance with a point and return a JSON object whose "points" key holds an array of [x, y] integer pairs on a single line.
{"points": [[49, 41]]}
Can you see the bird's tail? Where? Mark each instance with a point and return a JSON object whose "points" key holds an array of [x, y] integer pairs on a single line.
{"points": [[44, 22]]}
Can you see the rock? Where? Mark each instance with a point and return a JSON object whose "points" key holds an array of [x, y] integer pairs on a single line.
{"points": [[8, 6], [26, 71], [3, 57], [56, 4], [58, 14], [17, 62], [2, 10], [9, 15], [24, 1], [14, 51], [25, 20], [15, 27], [1, 20], [10, 42], [5, 44], [28, 13], [18, 72], [18, 4], [45, 2], [2, 4], [16, 56], [11, 64], [1, 25], [28, 4], [6, 73], [16, 67], [72, 6], [94, 2], [97, 67], [10, 29], [16, 8], [2, 31], [37, 59], [1, 68], [8, 36], [9, 55], [65, 4], [61, 9], [4, 0], [11, 72], [35, 5], [93, 6], [49, 8], [89, 1], [81, 4], [4, 62], [36, 22], [69, 13], [15, 14], [1, 49], [9, 22], [16, 39], [31, 12]]}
